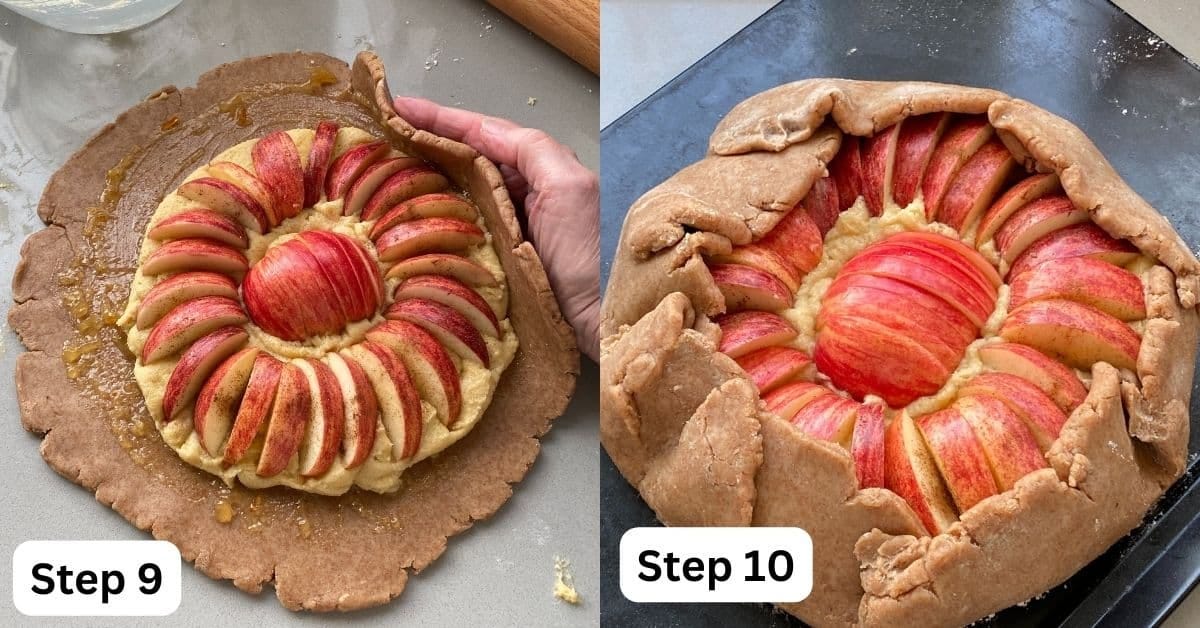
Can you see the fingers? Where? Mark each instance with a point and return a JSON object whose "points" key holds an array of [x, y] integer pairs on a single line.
{"points": [[457, 124]]}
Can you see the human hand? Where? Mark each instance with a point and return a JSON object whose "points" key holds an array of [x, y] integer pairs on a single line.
{"points": [[559, 195]]}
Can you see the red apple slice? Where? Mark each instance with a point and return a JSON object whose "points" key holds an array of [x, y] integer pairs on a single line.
{"points": [[361, 406], [372, 178], [908, 301], [744, 332], [432, 368], [788, 399], [1078, 334], [346, 169], [452, 293], [437, 205], [322, 440], [291, 410], [1086, 240], [200, 223], [196, 364], [911, 473], [936, 253], [255, 407], [1034, 221], [919, 135], [228, 199], [878, 161], [771, 367], [1035, 367], [195, 254], [749, 288], [399, 404], [219, 397], [1108, 288], [167, 294], [936, 242], [958, 144], [428, 235], [863, 357], [939, 278], [760, 257], [344, 273], [1041, 415], [976, 185], [797, 240], [947, 348], [822, 204], [187, 322], [446, 265], [406, 184], [866, 446], [452, 329], [959, 457], [1028, 189], [289, 295], [318, 161], [829, 417], [244, 179], [366, 270], [277, 164], [1011, 450], [846, 171]]}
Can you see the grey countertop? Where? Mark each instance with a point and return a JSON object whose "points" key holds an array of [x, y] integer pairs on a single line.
{"points": [[57, 89]]}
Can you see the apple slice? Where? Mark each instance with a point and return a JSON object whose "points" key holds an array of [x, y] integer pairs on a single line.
{"points": [[958, 144], [290, 412], [797, 240], [866, 445], [756, 256], [1041, 415], [195, 254], [907, 300], [366, 270], [1035, 367], [277, 164], [428, 235], [1079, 334], [1034, 221], [928, 273], [342, 269], [821, 204], [346, 169], [950, 249], [217, 403], [744, 332], [878, 162], [167, 294], [361, 406], [187, 322], [452, 293], [911, 472], [1108, 288], [255, 407], [432, 368], [863, 358], [445, 323], [936, 255], [846, 171], [959, 456], [1028, 189], [289, 295], [1086, 240], [244, 179], [788, 399], [196, 364], [976, 185], [372, 178], [948, 349], [1011, 450], [749, 288], [829, 417], [322, 441], [444, 264], [399, 404], [228, 199], [200, 223], [919, 135], [771, 367], [406, 184], [436, 205], [318, 161]]}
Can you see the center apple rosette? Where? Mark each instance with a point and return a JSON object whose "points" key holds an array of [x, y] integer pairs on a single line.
{"points": [[317, 310]]}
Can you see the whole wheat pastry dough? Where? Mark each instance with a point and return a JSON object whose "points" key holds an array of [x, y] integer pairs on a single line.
{"points": [[75, 383], [685, 424]]}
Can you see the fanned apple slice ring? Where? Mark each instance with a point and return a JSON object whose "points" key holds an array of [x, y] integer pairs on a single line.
{"points": [[258, 313], [960, 322]]}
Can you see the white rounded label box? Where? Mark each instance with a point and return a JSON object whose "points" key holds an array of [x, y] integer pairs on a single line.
{"points": [[716, 564], [96, 578]]}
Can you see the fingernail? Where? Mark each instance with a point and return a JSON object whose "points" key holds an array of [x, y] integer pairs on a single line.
{"points": [[490, 129]]}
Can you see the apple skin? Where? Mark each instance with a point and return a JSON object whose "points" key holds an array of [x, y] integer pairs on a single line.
{"points": [[244, 179], [947, 348], [963, 137], [918, 137], [1085, 240], [200, 223], [928, 272], [907, 300], [428, 235], [254, 409], [789, 399], [867, 446], [744, 332], [187, 322], [846, 171], [797, 240], [822, 204], [432, 368], [435, 205], [322, 440], [1104, 286], [749, 288], [1051, 376], [863, 358], [878, 161], [452, 293], [1028, 189], [1010, 448], [345, 170], [169, 293], [229, 199], [1034, 221], [216, 405], [406, 184], [318, 161], [771, 367], [452, 329], [289, 414], [911, 472], [345, 272], [277, 165], [1041, 415], [959, 456], [404, 429], [757, 256], [196, 364], [195, 254], [828, 417], [1079, 334], [361, 406], [372, 178], [975, 186], [952, 250]]}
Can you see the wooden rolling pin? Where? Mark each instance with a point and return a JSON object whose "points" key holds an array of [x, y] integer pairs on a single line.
{"points": [[572, 26]]}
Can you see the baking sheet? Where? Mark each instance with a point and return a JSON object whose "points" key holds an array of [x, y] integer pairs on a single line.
{"points": [[1137, 98], [57, 89]]}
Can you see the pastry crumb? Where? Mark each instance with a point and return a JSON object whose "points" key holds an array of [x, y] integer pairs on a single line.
{"points": [[531, 102], [564, 582], [223, 512]]}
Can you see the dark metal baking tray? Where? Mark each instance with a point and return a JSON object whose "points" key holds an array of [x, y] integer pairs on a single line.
{"points": [[1134, 95]]}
